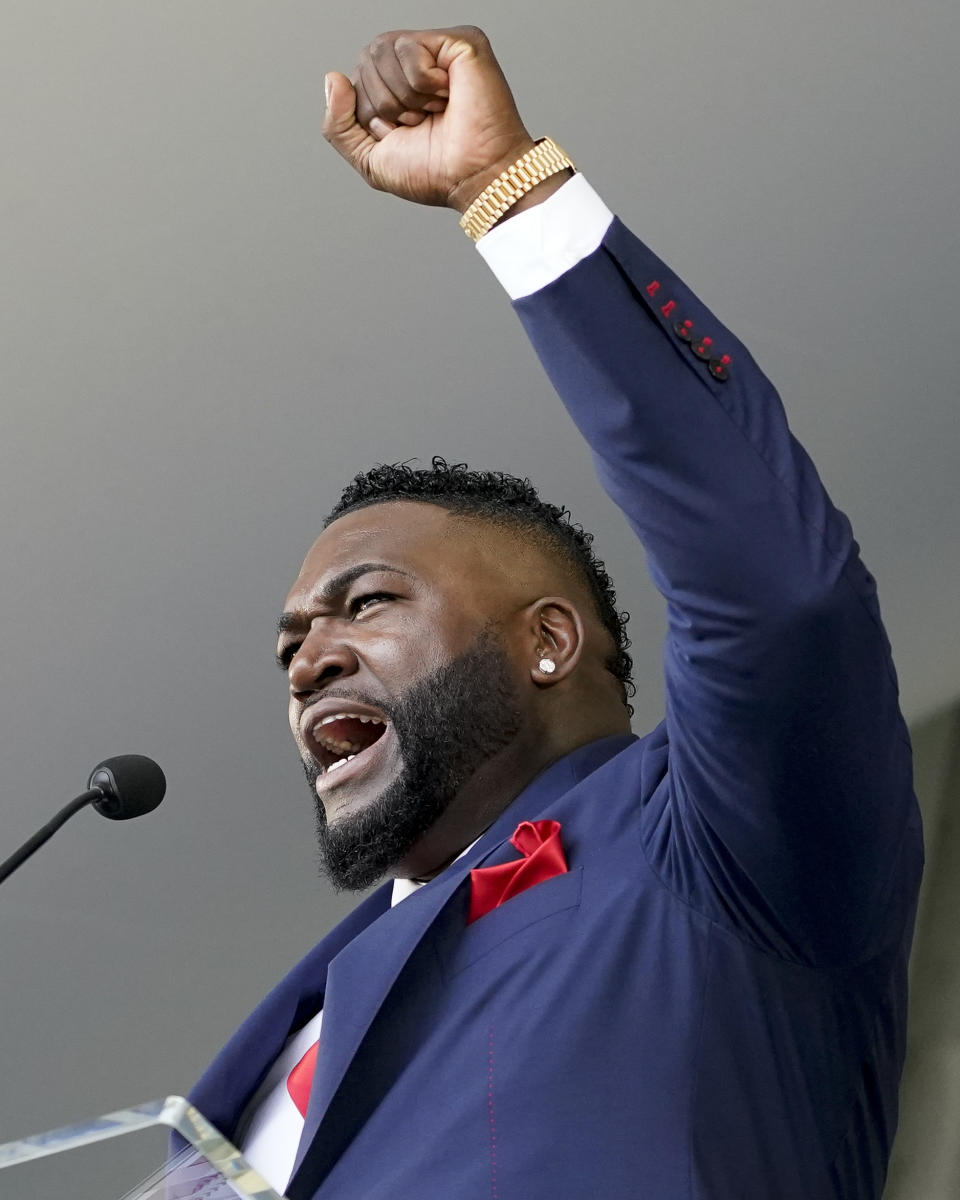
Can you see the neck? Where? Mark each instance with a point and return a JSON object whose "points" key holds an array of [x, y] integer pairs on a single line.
{"points": [[491, 789]]}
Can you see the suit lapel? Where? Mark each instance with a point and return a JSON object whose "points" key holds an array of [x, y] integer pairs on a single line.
{"points": [[361, 976], [359, 980], [228, 1084]]}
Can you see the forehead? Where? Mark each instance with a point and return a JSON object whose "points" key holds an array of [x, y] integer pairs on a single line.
{"points": [[422, 539]]}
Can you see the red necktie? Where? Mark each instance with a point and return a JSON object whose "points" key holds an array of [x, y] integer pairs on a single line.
{"points": [[300, 1079]]}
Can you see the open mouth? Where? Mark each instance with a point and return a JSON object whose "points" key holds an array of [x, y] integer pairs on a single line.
{"points": [[338, 738]]}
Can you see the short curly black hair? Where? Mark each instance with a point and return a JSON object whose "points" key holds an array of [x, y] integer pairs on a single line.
{"points": [[509, 502]]}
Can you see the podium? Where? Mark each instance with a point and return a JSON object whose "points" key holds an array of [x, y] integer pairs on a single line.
{"points": [[163, 1150]]}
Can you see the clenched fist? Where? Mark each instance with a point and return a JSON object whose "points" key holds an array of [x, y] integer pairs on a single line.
{"points": [[427, 116]]}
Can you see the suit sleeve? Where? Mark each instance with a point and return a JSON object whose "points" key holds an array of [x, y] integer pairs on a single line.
{"points": [[786, 810]]}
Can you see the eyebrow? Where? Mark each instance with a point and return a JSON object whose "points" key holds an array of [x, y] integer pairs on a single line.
{"points": [[298, 620]]}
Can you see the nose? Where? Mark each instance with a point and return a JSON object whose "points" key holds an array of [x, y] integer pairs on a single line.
{"points": [[319, 660]]}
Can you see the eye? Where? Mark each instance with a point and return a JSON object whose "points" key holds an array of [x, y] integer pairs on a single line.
{"points": [[285, 656], [359, 603]]}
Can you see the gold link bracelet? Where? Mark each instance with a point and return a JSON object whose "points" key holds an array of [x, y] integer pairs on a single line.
{"points": [[538, 164]]}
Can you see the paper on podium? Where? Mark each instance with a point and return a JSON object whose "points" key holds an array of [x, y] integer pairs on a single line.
{"points": [[74, 1163]]}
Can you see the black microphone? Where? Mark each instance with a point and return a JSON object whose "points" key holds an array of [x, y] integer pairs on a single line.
{"points": [[119, 788], [131, 785]]}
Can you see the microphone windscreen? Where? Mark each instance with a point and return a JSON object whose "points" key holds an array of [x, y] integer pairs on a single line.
{"points": [[132, 785]]}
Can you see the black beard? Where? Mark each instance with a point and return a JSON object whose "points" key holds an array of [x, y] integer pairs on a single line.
{"points": [[447, 725]]}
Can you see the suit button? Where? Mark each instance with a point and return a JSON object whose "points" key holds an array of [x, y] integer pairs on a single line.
{"points": [[718, 367], [703, 349], [684, 330]]}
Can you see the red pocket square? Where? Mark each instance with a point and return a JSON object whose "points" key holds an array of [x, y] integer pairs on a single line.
{"points": [[539, 843]]}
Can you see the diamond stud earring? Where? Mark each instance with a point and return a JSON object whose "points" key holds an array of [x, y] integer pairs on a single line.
{"points": [[547, 666]]}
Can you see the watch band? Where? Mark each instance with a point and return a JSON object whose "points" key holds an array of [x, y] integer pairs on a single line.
{"points": [[538, 164]]}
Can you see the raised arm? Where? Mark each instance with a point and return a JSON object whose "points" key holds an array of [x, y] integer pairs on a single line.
{"points": [[784, 809]]}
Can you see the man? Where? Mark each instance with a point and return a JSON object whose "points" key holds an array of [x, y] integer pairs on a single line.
{"points": [[668, 966]]}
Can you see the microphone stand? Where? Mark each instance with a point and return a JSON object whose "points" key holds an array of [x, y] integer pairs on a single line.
{"points": [[19, 857]]}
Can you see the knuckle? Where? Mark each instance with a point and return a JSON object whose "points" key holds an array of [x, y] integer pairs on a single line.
{"points": [[410, 50], [406, 42], [418, 76], [384, 43]]}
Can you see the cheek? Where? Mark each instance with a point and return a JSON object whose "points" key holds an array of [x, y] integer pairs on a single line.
{"points": [[450, 626], [410, 645], [433, 643], [400, 660]]}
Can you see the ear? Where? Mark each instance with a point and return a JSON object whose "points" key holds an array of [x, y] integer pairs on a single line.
{"points": [[557, 634]]}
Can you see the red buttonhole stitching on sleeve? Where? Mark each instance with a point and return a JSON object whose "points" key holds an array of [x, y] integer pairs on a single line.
{"points": [[668, 307], [653, 288], [726, 360]]}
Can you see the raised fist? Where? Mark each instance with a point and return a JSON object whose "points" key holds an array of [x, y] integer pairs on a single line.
{"points": [[427, 116]]}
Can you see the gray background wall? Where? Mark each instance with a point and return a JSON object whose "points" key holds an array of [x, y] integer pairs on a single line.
{"points": [[209, 324]]}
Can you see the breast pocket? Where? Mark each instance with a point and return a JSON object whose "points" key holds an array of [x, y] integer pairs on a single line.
{"points": [[536, 904]]}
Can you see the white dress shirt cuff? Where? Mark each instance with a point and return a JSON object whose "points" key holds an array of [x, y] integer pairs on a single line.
{"points": [[538, 245]]}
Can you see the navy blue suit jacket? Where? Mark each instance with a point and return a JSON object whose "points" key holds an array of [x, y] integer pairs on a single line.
{"points": [[711, 1003]]}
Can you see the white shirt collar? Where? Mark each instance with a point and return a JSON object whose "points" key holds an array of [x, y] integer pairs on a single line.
{"points": [[402, 888]]}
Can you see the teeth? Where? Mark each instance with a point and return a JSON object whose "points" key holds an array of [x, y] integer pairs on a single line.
{"points": [[348, 749], [351, 716], [337, 745], [332, 745]]}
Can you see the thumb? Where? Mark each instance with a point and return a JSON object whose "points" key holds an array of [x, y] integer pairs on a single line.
{"points": [[340, 126]]}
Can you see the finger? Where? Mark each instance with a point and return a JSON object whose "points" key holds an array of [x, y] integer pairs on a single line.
{"points": [[340, 126], [385, 103], [380, 128], [420, 67], [383, 55], [368, 116]]}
